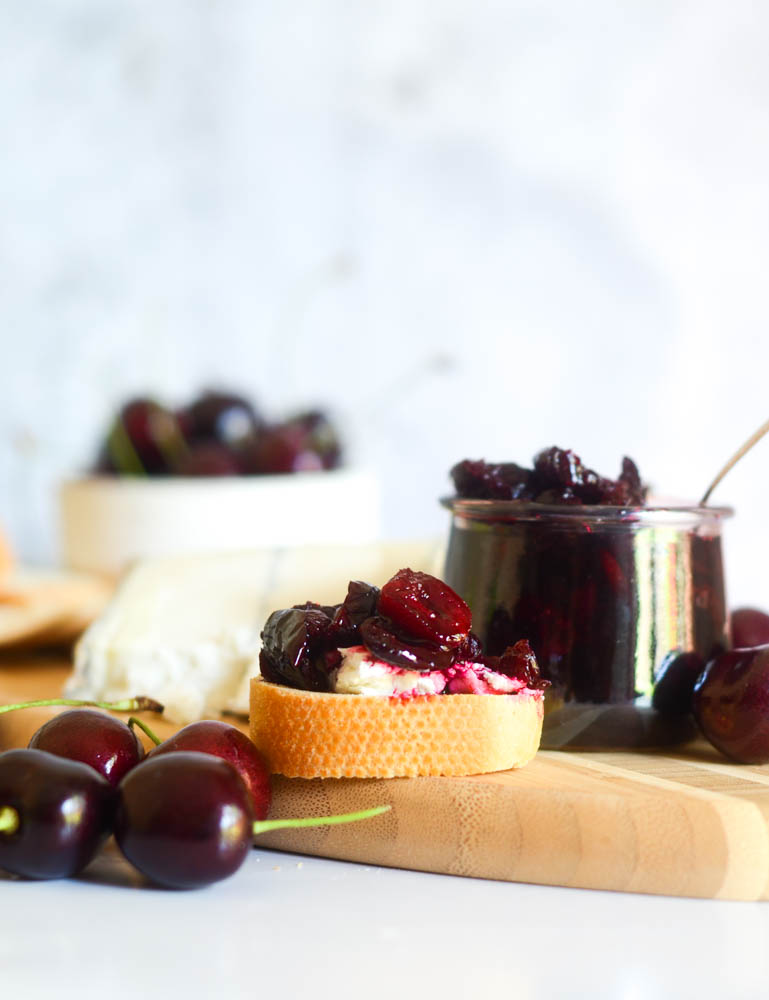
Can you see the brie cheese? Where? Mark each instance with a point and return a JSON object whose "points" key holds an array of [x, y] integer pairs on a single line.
{"points": [[183, 630]]}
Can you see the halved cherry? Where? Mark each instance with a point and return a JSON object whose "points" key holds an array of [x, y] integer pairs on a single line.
{"points": [[425, 607], [402, 651]]}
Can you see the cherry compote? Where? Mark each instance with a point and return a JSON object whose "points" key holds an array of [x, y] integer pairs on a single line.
{"points": [[603, 585], [415, 623], [425, 607], [54, 814], [103, 742], [392, 646], [225, 741], [558, 476]]}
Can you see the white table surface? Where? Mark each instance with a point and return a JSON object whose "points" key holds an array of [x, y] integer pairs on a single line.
{"points": [[293, 926]]}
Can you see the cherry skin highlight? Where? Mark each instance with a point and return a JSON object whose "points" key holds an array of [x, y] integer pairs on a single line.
{"points": [[54, 814], [230, 744], [103, 742]]}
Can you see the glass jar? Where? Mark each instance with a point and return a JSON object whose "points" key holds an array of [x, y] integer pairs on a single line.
{"points": [[603, 594]]}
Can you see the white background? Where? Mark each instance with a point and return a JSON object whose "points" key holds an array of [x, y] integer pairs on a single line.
{"points": [[470, 229]]}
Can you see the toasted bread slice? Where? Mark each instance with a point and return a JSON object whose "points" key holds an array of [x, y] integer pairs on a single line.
{"points": [[307, 734]]}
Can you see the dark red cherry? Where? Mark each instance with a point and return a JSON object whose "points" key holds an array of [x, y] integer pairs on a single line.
{"points": [[299, 648], [54, 814], [208, 459], [559, 468], [750, 627], [558, 477], [319, 436], [103, 742], [674, 683], [731, 704], [469, 650], [230, 744], [278, 450], [221, 417], [184, 819], [518, 661], [145, 438], [380, 638], [425, 607], [359, 604], [479, 480]]}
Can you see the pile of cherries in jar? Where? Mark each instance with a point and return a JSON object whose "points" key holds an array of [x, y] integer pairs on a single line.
{"points": [[217, 434], [184, 815], [558, 476]]}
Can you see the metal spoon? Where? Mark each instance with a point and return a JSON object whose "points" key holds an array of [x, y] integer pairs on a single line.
{"points": [[753, 439]]}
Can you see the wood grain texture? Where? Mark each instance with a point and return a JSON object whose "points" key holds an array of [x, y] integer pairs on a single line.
{"points": [[682, 823]]}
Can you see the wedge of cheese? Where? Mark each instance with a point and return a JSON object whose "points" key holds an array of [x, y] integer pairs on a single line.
{"points": [[186, 629]]}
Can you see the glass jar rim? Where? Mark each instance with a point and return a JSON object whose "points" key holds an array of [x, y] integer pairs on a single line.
{"points": [[523, 510]]}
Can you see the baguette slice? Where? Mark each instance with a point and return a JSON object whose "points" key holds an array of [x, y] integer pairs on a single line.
{"points": [[307, 734]]}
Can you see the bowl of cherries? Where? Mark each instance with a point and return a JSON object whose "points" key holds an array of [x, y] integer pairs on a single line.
{"points": [[211, 476], [184, 815]]}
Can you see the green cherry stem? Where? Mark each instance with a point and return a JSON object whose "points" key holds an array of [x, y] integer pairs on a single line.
{"points": [[139, 704], [9, 820], [133, 721], [265, 825], [122, 451]]}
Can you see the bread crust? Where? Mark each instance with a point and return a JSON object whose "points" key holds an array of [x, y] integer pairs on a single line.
{"points": [[309, 734]]}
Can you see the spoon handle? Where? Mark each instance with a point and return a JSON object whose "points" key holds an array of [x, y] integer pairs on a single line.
{"points": [[753, 439]]}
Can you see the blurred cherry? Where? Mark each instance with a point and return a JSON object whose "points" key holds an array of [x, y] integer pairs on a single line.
{"points": [[731, 704], [208, 459], [674, 682], [145, 439], [750, 627], [222, 417]]}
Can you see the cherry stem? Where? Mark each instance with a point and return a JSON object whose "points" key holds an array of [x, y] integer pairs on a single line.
{"points": [[139, 704], [9, 819], [133, 721], [265, 825], [753, 439], [122, 451]]}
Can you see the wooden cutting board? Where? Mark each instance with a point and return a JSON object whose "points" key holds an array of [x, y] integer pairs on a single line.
{"points": [[681, 823]]}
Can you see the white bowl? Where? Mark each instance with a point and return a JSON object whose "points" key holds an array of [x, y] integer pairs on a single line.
{"points": [[105, 523]]}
